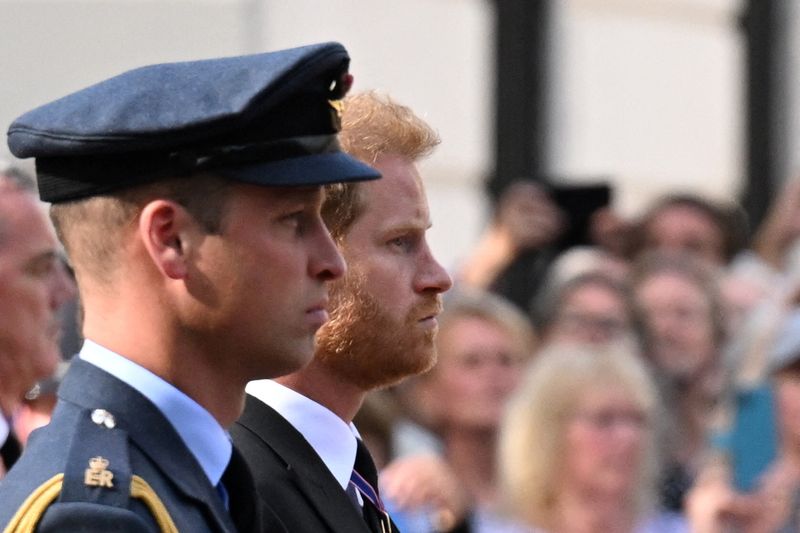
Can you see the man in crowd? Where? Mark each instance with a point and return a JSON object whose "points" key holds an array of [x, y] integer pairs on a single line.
{"points": [[296, 432], [188, 198], [34, 286]]}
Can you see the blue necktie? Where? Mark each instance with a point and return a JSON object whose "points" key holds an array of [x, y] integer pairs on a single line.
{"points": [[223, 494]]}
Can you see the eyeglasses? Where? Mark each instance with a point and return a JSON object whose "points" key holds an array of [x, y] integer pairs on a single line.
{"points": [[608, 419], [574, 321], [682, 313]]}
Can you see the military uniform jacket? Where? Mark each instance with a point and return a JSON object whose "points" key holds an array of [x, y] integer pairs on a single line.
{"points": [[110, 461], [290, 476]]}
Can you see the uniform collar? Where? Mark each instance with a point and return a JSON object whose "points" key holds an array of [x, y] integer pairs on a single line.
{"points": [[5, 429], [208, 442]]}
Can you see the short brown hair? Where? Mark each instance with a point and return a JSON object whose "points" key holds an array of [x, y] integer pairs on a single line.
{"points": [[91, 228], [729, 220], [13, 181], [373, 125]]}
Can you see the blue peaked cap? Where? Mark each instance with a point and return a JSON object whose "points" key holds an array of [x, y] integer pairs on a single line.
{"points": [[267, 119]]}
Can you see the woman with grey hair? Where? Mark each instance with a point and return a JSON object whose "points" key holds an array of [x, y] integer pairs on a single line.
{"points": [[577, 445], [483, 344], [679, 316]]}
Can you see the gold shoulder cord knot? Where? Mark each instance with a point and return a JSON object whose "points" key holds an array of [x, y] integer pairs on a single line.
{"points": [[31, 511]]}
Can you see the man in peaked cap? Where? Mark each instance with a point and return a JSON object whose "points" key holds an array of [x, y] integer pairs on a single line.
{"points": [[188, 198]]}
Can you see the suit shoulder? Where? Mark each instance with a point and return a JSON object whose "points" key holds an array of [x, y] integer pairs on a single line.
{"points": [[261, 457]]}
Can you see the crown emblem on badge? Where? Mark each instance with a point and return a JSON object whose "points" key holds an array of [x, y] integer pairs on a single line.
{"points": [[98, 464], [98, 475]]}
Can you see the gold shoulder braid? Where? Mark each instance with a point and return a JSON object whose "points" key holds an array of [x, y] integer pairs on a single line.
{"points": [[34, 506], [141, 489], [31, 511]]}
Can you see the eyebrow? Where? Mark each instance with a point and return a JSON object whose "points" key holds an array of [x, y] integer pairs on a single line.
{"points": [[41, 257], [294, 195], [416, 224]]}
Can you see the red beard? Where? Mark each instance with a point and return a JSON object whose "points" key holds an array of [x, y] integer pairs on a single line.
{"points": [[368, 347]]}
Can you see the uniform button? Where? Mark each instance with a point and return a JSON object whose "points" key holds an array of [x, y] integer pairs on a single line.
{"points": [[101, 417]]}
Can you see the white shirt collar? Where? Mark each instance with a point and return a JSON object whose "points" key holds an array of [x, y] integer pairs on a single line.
{"points": [[5, 429], [202, 434], [332, 438]]}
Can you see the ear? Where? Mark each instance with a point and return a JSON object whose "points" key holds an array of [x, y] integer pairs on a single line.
{"points": [[163, 226]]}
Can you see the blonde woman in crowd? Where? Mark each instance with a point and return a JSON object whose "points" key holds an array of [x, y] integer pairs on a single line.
{"points": [[577, 445]]}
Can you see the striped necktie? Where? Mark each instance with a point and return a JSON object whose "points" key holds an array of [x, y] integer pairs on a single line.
{"points": [[364, 479]]}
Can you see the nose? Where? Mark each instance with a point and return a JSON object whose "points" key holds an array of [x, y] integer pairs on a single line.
{"points": [[502, 371], [629, 433], [597, 335], [664, 324], [326, 262], [432, 277]]}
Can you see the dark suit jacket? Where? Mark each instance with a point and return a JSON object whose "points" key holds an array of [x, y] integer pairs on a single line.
{"points": [[141, 442], [290, 476]]}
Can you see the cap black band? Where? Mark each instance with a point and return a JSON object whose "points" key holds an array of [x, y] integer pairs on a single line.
{"points": [[71, 178]]}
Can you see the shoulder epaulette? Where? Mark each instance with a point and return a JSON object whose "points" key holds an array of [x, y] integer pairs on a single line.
{"points": [[97, 471]]}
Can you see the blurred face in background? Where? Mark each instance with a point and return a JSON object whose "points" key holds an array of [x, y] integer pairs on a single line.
{"points": [[787, 400], [34, 285], [604, 442], [687, 230], [678, 323], [479, 366], [590, 313]]}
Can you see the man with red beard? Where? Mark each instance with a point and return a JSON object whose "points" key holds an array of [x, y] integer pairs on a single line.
{"points": [[296, 432]]}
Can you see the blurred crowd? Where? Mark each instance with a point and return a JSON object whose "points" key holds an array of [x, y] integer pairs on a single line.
{"points": [[644, 379]]}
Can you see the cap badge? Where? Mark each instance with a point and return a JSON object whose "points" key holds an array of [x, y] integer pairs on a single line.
{"points": [[338, 107]]}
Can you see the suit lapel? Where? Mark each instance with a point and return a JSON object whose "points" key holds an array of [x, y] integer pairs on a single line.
{"points": [[306, 468], [92, 388]]}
